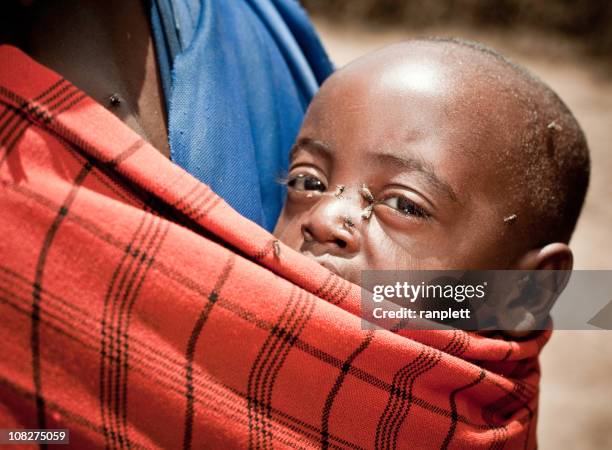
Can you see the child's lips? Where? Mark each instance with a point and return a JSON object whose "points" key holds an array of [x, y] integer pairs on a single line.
{"points": [[342, 269], [324, 261], [329, 266]]}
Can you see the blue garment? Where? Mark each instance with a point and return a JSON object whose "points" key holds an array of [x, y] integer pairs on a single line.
{"points": [[237, 76]]}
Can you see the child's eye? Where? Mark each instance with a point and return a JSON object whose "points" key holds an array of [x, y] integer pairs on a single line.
{"points": [[304, 182], [405, 206]]}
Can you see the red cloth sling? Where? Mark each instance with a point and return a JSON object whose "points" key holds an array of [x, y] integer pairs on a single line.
{"points": [[139, 310]]}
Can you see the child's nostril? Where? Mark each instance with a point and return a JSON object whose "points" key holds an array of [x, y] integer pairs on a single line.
{"points": [[340, 243]]}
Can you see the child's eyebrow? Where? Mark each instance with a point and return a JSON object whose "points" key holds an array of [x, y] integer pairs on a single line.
{"points": [[413, 164], [313, 145]]}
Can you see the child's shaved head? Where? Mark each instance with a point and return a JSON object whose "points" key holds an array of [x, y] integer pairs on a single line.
{"points": [[435, 154], [552, 156]]}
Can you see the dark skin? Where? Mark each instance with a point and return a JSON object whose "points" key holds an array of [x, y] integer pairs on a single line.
{"points": [[104, 48], [428, 136]]}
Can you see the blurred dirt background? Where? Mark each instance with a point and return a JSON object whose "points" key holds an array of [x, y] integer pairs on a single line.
{"points": [[568, 44]]}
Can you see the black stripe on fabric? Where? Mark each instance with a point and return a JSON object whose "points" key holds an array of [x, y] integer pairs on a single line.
{"points": [[11, 96], [330, 283], [253, 401], [34, 112], [453, 407], [431, 362], [101, 171], [500, 437], [7, 117], [501, 404], [458, 344], [50, 89], [401, 399], [333, 393], [465, 344], [381, 439], [27, 107], [499, 407], [43, 110], [448, 348], [503, 431], [136, 262], [192, 191], [151, 368], [79, 98], [337, 291], [192, 207], [126, 154], [342, 294], [206, 208], [51, 110], [191, 285], [14, 133], [329, 293], [295, 330], [7, 110], [48, 102], [104, 172], [334, 289], [323, 286], [186, 204], [24, 104], [191, 347], [106, 327], [114, 365], [5, 113], [128, 301], [125, 300], [274, 352], [36, 296]]}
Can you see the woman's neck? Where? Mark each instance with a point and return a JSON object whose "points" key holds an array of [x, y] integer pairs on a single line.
{"points": [[106, 49]]}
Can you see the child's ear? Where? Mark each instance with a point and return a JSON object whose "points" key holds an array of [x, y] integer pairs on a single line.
{"points": [[555, 256], [520, 314]]}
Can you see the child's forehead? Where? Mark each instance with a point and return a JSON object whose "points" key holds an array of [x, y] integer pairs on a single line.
{"points": [[416, 92]]}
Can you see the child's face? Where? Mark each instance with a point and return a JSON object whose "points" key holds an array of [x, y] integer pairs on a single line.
{"points": [[430, 144]]}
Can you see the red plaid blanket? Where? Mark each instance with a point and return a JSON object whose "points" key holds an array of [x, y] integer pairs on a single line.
{"points": [[139, 310]]}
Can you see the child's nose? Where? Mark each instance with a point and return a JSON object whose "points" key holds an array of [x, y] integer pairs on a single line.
{"points": [[333, 225]]}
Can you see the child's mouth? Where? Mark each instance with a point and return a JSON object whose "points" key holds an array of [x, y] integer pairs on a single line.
{"points": [[324, 260], [330, 266], [340, 268]]}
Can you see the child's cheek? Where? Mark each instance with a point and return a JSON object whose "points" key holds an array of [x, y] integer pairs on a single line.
{"points": [[407, 248], [288, 228]]}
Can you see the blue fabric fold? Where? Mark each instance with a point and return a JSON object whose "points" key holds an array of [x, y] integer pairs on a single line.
{"points": [[237, 76]]}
